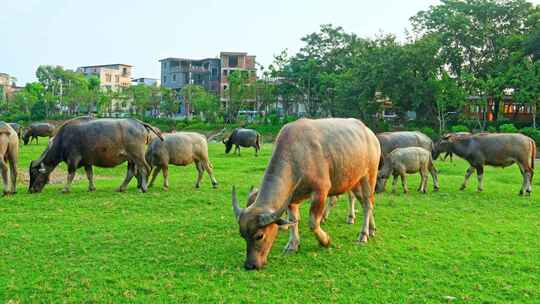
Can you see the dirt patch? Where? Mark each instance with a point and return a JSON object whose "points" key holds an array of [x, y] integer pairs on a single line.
{"points": [[59, 176]]}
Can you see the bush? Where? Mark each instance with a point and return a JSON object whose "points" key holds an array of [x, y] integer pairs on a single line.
{"points": [[492, 129], [429, 132], [460, 128], [508, 128], [532, 133]]}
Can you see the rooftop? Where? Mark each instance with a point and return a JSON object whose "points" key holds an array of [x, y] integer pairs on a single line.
{"points": [[186, 59], [105, 65]]}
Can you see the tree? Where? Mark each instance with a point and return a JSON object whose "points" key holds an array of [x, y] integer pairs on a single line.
{"points": [[240, 91], [448, 94], [169, 101], [524, 78]]}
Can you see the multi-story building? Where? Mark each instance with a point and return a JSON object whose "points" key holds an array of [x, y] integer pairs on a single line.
{"points": [[146, 81], [111, 76], [176, 73], [235, 61]]}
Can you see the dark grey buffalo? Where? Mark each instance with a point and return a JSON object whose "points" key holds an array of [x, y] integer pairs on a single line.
{"points": [[497, 150], [311, 159], [402, 139], [86, 142], [36, 130], [17, 128], [180, 149], [243, 138]]}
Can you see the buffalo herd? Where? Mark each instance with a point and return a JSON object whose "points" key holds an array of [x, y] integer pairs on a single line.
{"points": [[312, 159]]}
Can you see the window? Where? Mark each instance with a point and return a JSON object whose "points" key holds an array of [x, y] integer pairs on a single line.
{"points": [[233, 61], [108, 77], [164, 79], [225, 72], [173, 77], [116, 78], [124, 72], [214, 72]]}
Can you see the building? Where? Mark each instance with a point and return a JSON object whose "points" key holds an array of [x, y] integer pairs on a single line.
{"points": [[146, 81], [179, 72], [231, 62], [176, 73], [508, 108], [111, 76]]}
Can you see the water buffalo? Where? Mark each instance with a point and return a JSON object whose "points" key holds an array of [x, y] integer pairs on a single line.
{"points": [[36, 130], [402, 161], [86, 142], [9, 152], [17, 128], [402, 139], [498, 150], [311, 159], [181, 149], [241, 137]]}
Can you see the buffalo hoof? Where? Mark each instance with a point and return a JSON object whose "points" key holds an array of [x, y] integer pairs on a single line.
{"points": [[350, 220], [479, 190], [214, 185], [65, 191], [325, 243], [7, 193], [291, 247], [435, 189], [197, 186], [165, 189], [120, 190], [372, 232], [91, 189], [462, 188], [362, 239]]}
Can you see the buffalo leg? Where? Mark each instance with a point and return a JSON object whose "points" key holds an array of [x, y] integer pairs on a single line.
{"points": [[294, 234], [165, 170], [316, 215], [90, 176], [480, 175], [237, 149], [129, 176], [364, 194], [331, 203], [423, 181], [404, 182], [433, 173], [155, 172], [467, 175], [208, 168], [4, 168], [70, 177], [13, 170], [394, 183], [200, 171], [352, 212]]}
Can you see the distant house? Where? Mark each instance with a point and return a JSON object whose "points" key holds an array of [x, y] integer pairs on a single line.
{"points": [[111, 76], [509, 109], [231, 62], [146, 81]]}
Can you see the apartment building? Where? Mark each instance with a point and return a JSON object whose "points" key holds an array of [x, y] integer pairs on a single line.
{"points": [[235, 61], [111, 76]]}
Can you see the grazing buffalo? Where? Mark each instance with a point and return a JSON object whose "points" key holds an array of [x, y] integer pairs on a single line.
{"points": [[180, 149], [17, 128], [36, 130], [402, 139], [311, 159], [449, 154], [9, 152], [403, 161], [86, 142], [498, 150], [241, 137]]}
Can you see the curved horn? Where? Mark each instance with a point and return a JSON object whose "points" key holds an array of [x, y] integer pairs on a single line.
{"points": [[237, 210], [266, 219]]}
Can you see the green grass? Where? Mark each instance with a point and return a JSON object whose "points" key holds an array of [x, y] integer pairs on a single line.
{"points": [[184, 246]]}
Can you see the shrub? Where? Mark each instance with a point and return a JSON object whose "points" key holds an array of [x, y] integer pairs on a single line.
{"points": [[532, 133], [508, 128], [492, 129], [460, 128], [429, 132]]}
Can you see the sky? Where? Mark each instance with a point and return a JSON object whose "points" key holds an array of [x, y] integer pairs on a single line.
{"points": [[139, 33]]}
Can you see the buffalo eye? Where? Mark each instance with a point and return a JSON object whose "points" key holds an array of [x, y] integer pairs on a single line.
{"points": [[259, 236]]}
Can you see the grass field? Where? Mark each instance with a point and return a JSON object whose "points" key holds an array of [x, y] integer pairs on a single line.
{"points": [[184, 246]]}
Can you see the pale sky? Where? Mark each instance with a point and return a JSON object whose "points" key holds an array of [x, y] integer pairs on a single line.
{"points": [[78, 33]]}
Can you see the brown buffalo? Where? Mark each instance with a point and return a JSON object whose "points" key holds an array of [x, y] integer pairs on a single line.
{"points": [[86, 142], [9, 152], [180, 149], [17, 128], [497, 150], [312, 159], [36, 130]]}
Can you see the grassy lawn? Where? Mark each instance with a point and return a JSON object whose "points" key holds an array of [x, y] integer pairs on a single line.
{"points": [[184, 246]]}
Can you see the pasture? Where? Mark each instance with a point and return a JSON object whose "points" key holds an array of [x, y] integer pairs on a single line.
{"points": [[183, 245]]}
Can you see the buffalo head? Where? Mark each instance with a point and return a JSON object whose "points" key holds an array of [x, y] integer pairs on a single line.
{"points": [[259, 228], [26, 137], [382, 176], [39, 176], [228, 145], [443, 145]]}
